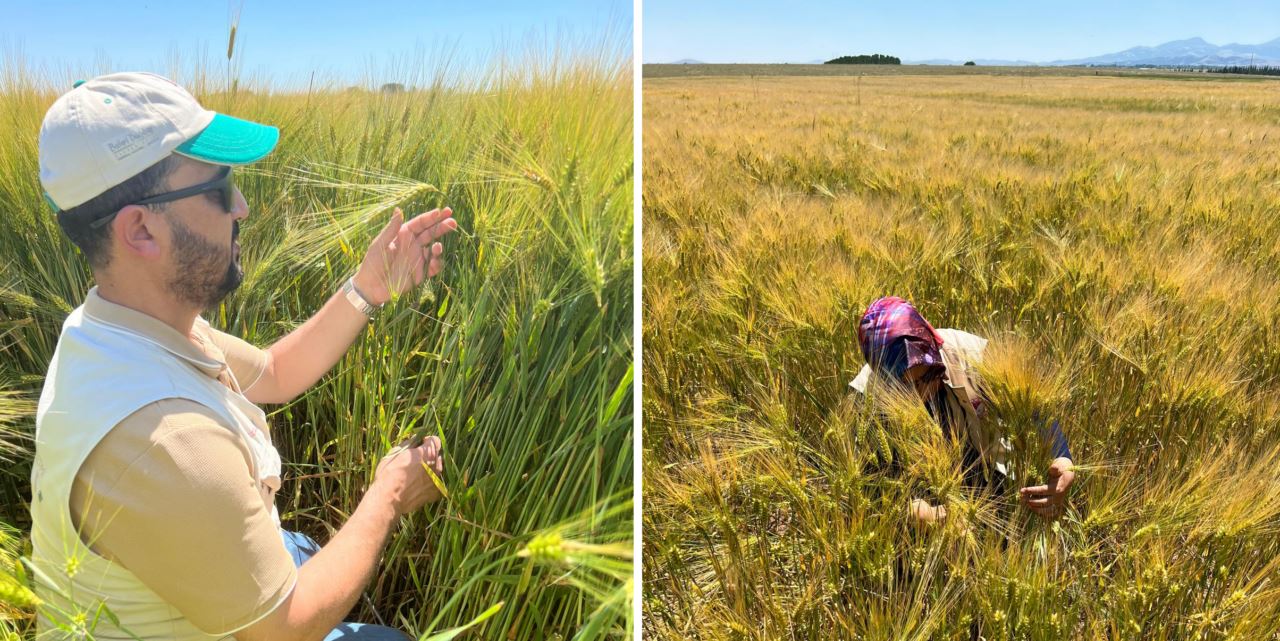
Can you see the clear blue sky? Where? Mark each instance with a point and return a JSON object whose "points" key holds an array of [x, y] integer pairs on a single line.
{"points": [[288, 39], [1034, 30]]}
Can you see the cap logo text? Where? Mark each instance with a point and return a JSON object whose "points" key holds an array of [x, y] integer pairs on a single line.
{"points": [[131, 143]]}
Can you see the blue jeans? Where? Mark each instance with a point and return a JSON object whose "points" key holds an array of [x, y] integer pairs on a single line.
{"points": [[302, 547]]}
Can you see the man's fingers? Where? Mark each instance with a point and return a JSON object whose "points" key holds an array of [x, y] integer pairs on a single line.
{"points": [[432, 256], [1035, 489], [1037, 506], [402, 258], [437, 219], [419, 272], [407, 249], [404, 238], [420, 266], [392, 228], [437, 230], [429, 218], [423, 221], [432, 449]]}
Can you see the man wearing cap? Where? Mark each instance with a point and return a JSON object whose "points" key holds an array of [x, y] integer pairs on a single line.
{"points": [[154, 475], [940, 366]]}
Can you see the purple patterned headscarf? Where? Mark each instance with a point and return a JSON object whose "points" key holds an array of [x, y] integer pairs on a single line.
{"points": [[894, 337]]}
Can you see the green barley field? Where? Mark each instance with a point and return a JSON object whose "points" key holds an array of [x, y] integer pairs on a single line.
{"points": [[1117, 239], [518, 355]]}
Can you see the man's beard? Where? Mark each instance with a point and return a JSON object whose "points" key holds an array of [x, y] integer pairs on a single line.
{"points": [[204, 272]]}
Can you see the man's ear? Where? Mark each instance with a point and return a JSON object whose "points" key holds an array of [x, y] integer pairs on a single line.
{"points": [[134, 231]]}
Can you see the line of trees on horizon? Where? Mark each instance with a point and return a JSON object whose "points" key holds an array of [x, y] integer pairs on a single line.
{"points": [[873, 59], [1260, 71], [1254, 70]]}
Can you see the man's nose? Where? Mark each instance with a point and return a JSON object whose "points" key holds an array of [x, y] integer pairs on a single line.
{"points": [[241, 209]]}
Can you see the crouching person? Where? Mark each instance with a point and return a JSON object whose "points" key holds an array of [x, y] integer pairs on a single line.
{"points": [[900, 346]]}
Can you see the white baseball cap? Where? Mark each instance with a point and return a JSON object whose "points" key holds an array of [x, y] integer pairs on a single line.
{"points": [[109, 129]]}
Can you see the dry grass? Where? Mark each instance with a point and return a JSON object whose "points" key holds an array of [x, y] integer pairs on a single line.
{"points": [[1116, 238]]}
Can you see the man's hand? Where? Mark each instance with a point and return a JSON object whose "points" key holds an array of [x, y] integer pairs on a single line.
{"points": [[922, 512], [402, 482], [331, 581], [403, 255], [1047, 500]]}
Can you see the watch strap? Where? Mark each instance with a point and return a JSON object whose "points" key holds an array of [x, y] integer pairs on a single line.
{"points": [[358, 300]]}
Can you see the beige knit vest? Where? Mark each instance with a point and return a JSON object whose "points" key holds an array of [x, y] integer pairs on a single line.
{"points": [[100, 374]]}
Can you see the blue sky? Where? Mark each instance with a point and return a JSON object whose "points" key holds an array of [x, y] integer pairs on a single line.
{"points": [[287, 40], [759, 31]]}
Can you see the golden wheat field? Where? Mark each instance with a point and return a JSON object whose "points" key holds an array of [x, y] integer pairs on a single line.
{"points": [[1116, 238]]}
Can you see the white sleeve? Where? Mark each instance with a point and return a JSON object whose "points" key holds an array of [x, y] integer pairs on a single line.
{"points": [[859, 384], [970, 345]]}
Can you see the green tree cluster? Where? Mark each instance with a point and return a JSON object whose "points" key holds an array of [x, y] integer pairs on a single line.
{"points": [[873, 59]]}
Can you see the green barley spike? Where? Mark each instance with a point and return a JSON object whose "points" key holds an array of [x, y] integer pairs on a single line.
{"points": [[882, 444], [14, 593], [620, 176], [860, 431]]}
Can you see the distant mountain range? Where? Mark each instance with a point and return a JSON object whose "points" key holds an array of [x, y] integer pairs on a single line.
{"points": [[1179, 53]]}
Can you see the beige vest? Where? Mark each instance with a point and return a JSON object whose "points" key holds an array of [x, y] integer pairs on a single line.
{"points": [[960, 352], [100, 374]]}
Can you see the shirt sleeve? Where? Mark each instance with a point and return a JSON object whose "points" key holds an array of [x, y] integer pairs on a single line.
{"points": [[169, 494], [1057, 441], [970, 345], [973, 346], [245, 361]]}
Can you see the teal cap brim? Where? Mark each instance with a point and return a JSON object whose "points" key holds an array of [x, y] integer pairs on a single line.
{"points": [[231, 141]]}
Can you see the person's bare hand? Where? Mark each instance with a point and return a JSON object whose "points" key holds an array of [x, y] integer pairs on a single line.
{"points": [[922, 512], [1048, 500], [404, 254], [401, 479]]}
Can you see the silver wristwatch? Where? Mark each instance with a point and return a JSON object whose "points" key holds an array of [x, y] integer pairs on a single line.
{"points": [[358, 300]]}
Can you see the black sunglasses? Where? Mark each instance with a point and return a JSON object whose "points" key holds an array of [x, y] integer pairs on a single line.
{"points": [[220, 182]]}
